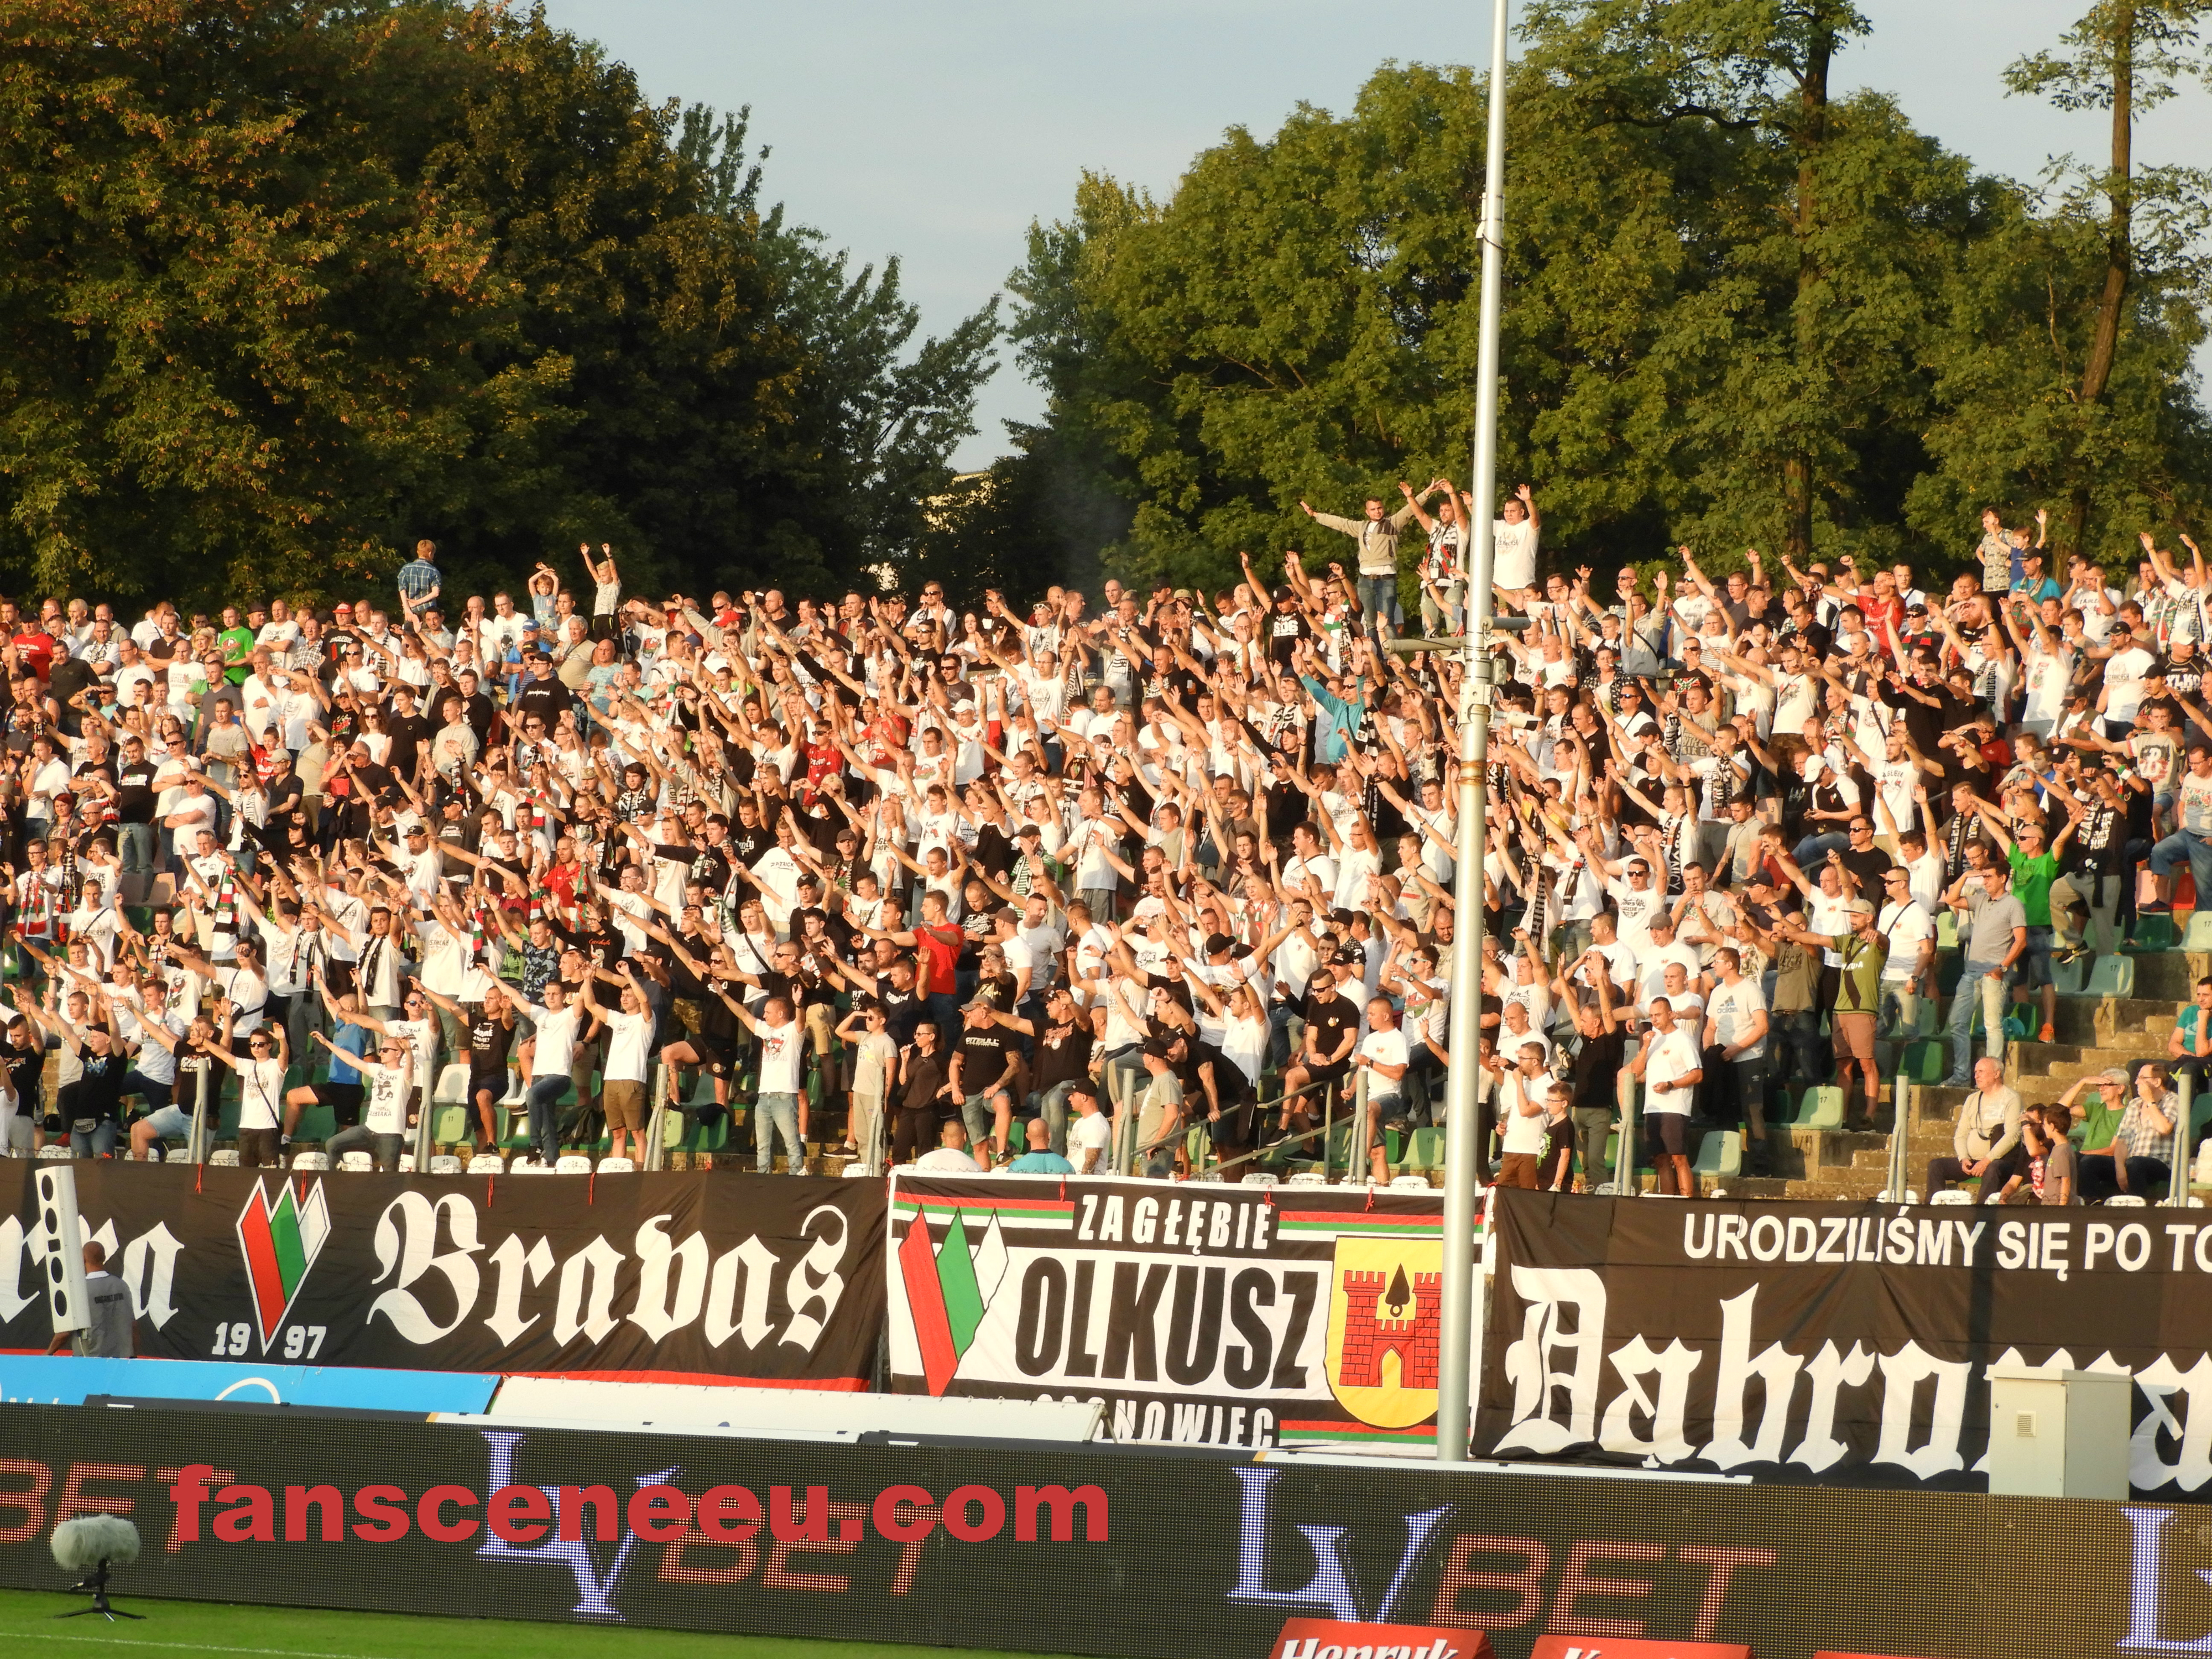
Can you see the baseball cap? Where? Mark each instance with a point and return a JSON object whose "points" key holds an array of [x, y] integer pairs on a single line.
{"points": [[1859, 908]]}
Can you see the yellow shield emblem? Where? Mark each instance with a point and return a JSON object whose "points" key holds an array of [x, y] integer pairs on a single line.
{"points": [[1386, 1329]]}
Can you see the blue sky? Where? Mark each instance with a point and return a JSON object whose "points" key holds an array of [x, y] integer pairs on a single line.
{"points": [[939, 131]]}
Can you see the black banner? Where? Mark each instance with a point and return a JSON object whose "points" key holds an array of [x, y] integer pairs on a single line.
{"points": [[1849, 1343], [1117, 1551], [709, 1277]]}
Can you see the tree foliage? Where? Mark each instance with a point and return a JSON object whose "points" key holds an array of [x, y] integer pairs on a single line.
{"points": [[287, 284], [1740, 309]]}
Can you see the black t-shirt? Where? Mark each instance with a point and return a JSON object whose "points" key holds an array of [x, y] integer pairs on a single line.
{"points": [[1868, 864], [488, 1041], [902, 1011], [1063, 1052], [925, 1076], [134, 790], [409, 732], [98, 1092], [1329, 1018], [982, 1057], [1597, 1067]]}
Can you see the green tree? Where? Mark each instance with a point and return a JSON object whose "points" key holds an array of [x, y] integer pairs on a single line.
{"points": [[287, 284], [2122, 56]]}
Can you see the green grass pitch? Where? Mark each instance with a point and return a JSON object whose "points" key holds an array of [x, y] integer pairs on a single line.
{"points": [[175, 1630]]}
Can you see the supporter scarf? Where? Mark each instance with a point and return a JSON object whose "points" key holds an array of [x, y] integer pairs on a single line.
{"points": [[225, 917]]}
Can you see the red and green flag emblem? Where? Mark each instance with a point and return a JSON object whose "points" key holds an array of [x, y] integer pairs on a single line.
{"points": [[280, 1241]]}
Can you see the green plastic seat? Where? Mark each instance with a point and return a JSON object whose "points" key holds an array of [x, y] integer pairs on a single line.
{"points": [[316, 1122], [1424, 1150], [451, 1125], [2113, 976], [1720, 1154], [2154, 933], [2198, 936], [2071, 979], [1947, 929], [1821, 1107], [1923, 1061]]}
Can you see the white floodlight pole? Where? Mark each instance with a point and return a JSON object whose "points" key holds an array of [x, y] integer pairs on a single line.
{"points": [[1453, 1394]]}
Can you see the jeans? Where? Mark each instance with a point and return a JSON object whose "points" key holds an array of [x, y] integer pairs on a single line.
{"points": [[1286, 1031], [1381, 613], [98, 1141], [542, 1103], [2197, 849], [1593, 1127], [134, 845], [384, 1148], [1975, 989], [1799, 1057], [1455, 602], [1051, 1105], [777, 1115], [1126, 1064], [1813, 849]]}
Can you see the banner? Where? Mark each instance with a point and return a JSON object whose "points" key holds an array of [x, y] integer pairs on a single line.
{"points": [[706, 1277], [1077, 1550], [1849, 1344], [1197, 1313]]}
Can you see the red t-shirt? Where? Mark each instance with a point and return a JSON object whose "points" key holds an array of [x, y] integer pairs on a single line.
{"points": [[35, 647], [940, 956]]}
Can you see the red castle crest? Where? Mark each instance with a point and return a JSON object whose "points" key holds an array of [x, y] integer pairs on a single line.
{"points": [[1405, 1322]]}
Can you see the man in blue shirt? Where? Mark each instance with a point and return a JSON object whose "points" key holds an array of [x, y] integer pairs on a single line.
{"points": [[419, 582], [1040, 1159]]}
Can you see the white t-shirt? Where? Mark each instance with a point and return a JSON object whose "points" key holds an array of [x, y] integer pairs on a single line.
{"points": [[1905, 924], [556, 1039], [2124, 681], [1512, 554], [946, 1157], [385, 1112], [628, 1037], [260, 1093], [780, 1047], [1673, 1055], [1525, 1132], [1388, 1048], [1092, 1134], [1732, 1010]]}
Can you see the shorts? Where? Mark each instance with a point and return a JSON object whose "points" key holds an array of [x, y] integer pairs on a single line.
{"points": [[169, 1123], [1663, 1130], [343, 1099], [491, 1083], [624, 1104], [1854, 1034], [2033, 968], [1317, 1075]]}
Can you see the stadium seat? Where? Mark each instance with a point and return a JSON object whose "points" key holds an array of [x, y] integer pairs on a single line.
{"points": [[2199, 934], [451, 1125], [1912, 1196], [572, 1163], [357, 1163], [1307, 1178], [1951, 1195], [453, 1086], [616, 1166], [487, 1164], [1923, 1060], [2124, 1201], [1260, 1178], [856, 1168], [1720, 1154], [1410, 1182], [530, 1164], [2071, 979], [316, 1123], [311, 1160], [2153, 932], [55, 1149], [1821, 1107], [445, 1164], [227, 1158]]}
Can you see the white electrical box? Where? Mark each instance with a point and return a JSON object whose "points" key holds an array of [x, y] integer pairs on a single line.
{"points": [[2059, 1434]]}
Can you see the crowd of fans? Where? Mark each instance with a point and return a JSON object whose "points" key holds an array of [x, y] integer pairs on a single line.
{"points": [[1057, 882]]}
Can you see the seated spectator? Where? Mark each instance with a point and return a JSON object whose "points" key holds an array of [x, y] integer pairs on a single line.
{"points": [[2134, 1160], [951, 1153], [1039, 1159], [1984, 1136]]}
